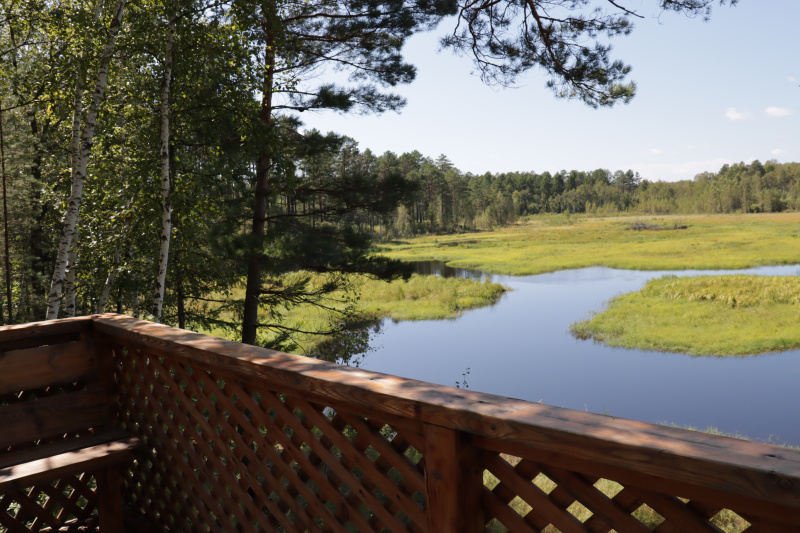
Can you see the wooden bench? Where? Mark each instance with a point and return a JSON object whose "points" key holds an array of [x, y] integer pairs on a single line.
{"points": [[57, 419]]}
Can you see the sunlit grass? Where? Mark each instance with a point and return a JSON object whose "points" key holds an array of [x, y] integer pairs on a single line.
{"points": [[418, 298], [706, 315], [547, 244], [426, 297]]}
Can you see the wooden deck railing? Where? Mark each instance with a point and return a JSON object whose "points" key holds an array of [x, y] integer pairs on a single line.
{"points": [[239, 438]]}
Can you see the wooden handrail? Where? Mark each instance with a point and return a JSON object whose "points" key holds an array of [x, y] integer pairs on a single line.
{"points": [[451, 428], [664, 452]]}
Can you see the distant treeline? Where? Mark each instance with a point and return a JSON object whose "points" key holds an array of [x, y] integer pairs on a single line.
{"points": [[446, 199]]}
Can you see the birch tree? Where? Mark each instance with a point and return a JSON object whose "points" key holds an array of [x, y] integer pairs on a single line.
{"points": [[166, 202], [81, 158]]}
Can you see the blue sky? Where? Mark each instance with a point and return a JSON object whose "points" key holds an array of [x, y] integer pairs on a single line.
{"points": [[709, 93]]}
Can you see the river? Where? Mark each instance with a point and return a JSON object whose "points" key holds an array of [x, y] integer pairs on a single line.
{"points": [[521, 347]]}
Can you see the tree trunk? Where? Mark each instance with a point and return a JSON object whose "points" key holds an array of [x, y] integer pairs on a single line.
{"points": [[253, 288], [166, 202], [5, 227], [79, 169], [72, 268], [112, 276]]}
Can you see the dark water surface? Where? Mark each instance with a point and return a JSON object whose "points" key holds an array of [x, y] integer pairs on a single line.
{"points": [[521, 348]]}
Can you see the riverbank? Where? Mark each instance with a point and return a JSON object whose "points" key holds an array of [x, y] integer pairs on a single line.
{"points": [[550, 243], [418, 298], [729, 315]]}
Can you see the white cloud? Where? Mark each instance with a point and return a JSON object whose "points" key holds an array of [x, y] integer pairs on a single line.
{"points": [[778, 111], [792, 79], [732, 114], [656, 151], [778, 151]]}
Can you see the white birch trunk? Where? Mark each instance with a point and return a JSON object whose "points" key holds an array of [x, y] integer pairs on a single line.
{"points": [[166, 201], [79, 170], [72, 268], [112, 275]]}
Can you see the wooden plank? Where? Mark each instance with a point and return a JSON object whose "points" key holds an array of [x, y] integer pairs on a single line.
{"points": [[20, 336], [33, 368], [95, 457], [749, 471], [60, 447], [64, 413], [454, 479]]}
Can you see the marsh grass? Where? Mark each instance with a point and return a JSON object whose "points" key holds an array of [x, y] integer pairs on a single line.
{"points": [[559, 242], [418, 298], [703, 315]]}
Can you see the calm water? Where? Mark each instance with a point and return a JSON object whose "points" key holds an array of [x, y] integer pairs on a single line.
{"points": [[521, 348]]}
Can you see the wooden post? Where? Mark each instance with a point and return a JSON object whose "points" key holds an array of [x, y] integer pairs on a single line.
{"points": [[109, 499], [454, 480]]}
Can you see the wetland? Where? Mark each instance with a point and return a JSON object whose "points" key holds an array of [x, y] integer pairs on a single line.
{"points": [[522, 347]]}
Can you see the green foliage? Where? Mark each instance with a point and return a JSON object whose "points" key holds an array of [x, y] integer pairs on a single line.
{"points": [[706, 315], [449, 201]]}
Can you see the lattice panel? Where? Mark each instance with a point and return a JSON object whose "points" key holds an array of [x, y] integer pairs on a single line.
{"points": [[68, 504], [521, 495], [222, 455]]}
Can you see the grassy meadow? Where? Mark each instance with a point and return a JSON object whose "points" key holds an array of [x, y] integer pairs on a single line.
{"points": [[550, 243], [704, 315]]}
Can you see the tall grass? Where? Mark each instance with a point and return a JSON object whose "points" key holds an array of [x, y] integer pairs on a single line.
{"points": [[705, 315]]}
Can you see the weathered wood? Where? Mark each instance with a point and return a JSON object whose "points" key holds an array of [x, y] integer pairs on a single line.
{"points": [[109, 499], [47, 467], [56, 364], [19, 336], [454, 480], [752, 471], [56, 415]]}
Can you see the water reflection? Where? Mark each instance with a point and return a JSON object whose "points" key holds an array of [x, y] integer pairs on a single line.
{"points": [[440, 268], [521, 348], [351, 345]]}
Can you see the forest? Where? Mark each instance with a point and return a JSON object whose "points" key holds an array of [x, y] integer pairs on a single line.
{"points": [[445, 200], [154, 161]]}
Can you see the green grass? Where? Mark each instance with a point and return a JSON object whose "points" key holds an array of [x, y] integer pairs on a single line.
{"points": [[418, 298], [550, 243], [705, 315]]}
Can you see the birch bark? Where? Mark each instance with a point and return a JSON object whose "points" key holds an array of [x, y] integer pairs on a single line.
{"points": [[69, 280], [112, 276], [79, 166], [166, 200]]}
